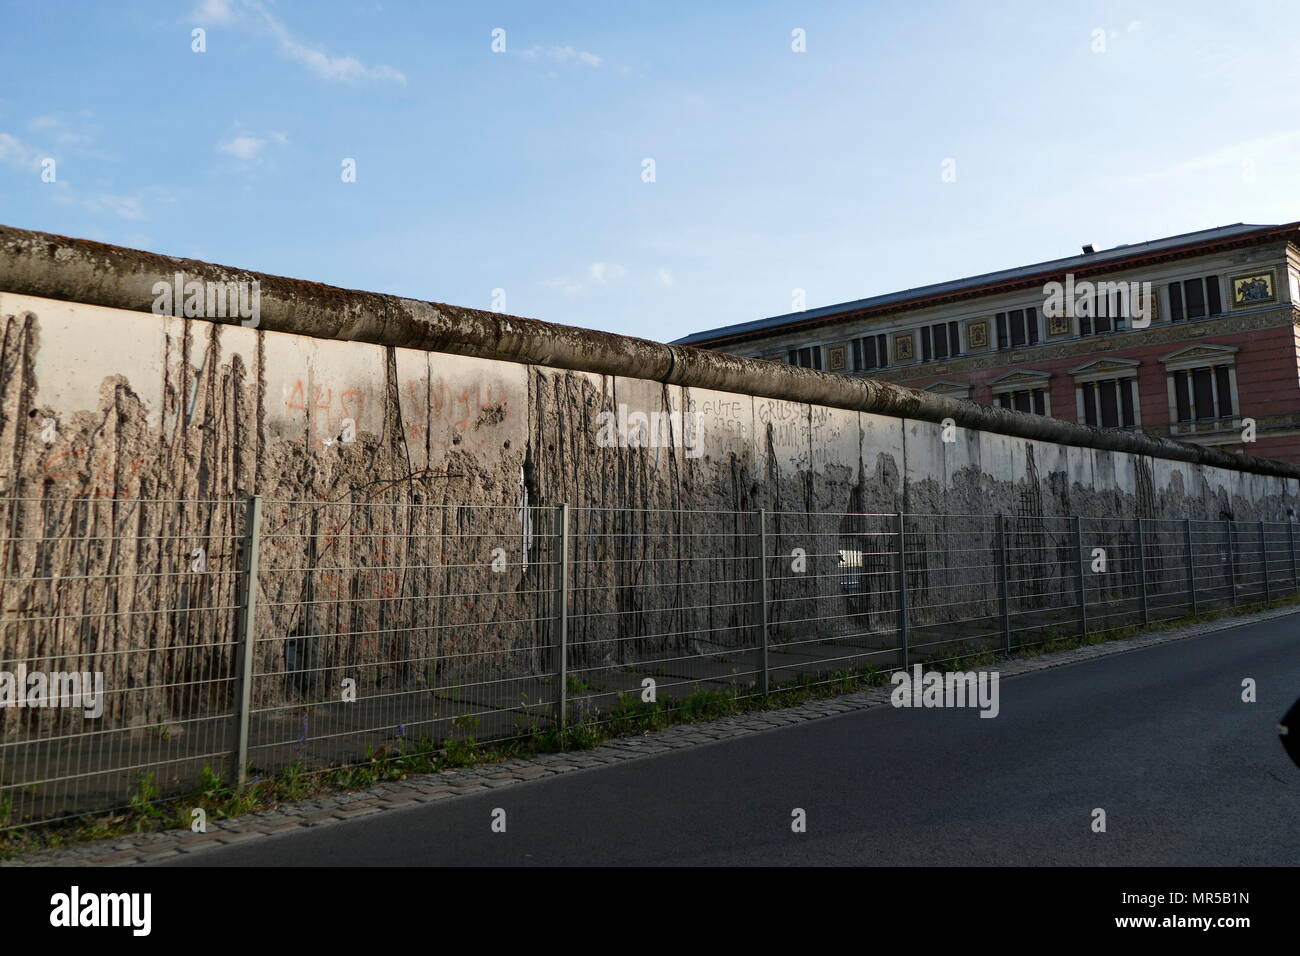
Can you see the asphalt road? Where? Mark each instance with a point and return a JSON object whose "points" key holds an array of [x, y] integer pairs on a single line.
{"points": [[1159, 738]]}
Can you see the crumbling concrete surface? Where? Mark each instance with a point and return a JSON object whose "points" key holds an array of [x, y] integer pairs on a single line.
{"points": [[411, 457]]}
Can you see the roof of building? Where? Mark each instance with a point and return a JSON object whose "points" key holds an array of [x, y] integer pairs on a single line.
{"points": [[989, 279]]}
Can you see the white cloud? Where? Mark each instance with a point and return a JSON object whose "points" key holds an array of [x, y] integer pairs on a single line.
{"points": [[563, 54], [54, 132], [248, 147], [566, 285], [76, 135], [104, 204], [603, 272], [18, 154], [598, 274], [665, 278], [243, 147], [124, 207], [1257, 151], [215, 11], [253, 16]]}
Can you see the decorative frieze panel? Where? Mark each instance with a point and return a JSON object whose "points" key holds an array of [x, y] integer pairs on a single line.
{"points": [[1249, 290]]}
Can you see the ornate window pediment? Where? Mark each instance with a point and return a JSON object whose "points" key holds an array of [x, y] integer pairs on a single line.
{"points": [[1018, 379], [1200, 355], [950, 388], [1023, 389], [1105, 368]]}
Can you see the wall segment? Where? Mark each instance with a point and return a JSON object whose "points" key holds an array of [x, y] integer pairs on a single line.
{"points": [[433, 427]]}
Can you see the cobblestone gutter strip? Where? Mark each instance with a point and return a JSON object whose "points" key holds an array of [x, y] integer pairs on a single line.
{"points": [[449, 784]]}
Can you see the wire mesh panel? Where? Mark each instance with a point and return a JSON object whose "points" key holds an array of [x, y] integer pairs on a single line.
{"points": [[832, 595], [954, 584], [116, 649], [1168, 567], [1042, 560], [1214, 562], [146, 642], [1252, 561], [660, 601], [392, 627], [1113, 577]]}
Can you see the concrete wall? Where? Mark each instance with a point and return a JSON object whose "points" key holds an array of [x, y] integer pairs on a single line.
{"points": [[152, 415], [147, 406]]}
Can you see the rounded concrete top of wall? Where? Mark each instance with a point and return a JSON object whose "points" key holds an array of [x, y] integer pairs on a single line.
{"points": [[78, 270]]}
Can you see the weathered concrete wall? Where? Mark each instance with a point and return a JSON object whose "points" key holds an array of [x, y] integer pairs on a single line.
{"points": [[453, 408]]}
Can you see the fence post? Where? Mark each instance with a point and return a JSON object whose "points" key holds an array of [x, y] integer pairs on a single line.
{"points": [[1232, 564], [1290, 545], [902, 591], [1263, 557], [1191, 561], [1079, 585], [1003, 602], [762, 602], [1142, 571], [245, 636], [562, 620]]}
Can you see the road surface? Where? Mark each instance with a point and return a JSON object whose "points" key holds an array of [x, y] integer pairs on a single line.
{"points": [[1160, 739]]}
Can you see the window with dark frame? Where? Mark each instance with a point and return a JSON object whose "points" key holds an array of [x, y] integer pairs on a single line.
{"points": [[1115, 305], [1025, 400], [1110, 403], [1203, 394], [1017, 327], [870, 351], [808, 357], [1194, 298], [939, 341]]}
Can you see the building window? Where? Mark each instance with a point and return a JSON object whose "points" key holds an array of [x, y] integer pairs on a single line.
{"points": [[1017, 327], [1202, 386], [1025, 400], [1023, 390], [1194, 299], [1110, 403], [870, 351], [808, 357], [1112, 308], [1106, 393], [1201, 393], [939, 341]]}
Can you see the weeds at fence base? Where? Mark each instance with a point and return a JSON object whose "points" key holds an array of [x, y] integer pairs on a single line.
{"points": [[149, 811]]}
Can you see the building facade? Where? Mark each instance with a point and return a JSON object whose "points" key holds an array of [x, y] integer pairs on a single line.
{"points": [[1191, 337]]}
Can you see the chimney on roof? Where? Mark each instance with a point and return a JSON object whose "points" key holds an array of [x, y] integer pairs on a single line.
{"points": [[1088, 249]]}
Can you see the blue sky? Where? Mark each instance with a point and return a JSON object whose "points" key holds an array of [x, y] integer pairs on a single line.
{"points": [[523, 170]]}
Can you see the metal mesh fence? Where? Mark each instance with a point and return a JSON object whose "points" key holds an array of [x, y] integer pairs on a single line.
{"points": [[134, 656], [117, 648]]}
